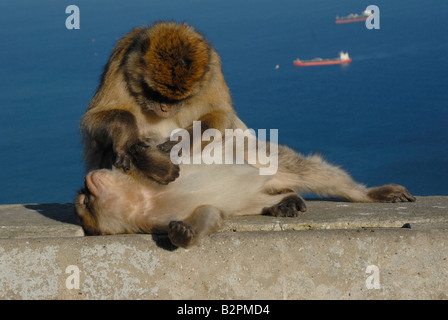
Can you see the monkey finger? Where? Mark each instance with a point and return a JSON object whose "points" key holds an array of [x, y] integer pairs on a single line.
{"points": [[167, 146]]}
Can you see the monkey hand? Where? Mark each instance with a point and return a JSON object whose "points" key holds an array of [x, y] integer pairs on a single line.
{"points": [[390, 193], [153, 164]]}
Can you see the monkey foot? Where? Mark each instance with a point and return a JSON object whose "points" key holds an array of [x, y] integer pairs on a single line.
{"points": [[390, 193], [288, 207], [180, 234]]}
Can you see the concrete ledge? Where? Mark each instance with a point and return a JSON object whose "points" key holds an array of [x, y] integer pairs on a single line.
{"points": [[38, 220], [322, 255]]}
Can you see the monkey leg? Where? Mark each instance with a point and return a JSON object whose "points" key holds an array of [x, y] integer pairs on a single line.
{"points": [[107, 136], [313, 174], [203, 221]]}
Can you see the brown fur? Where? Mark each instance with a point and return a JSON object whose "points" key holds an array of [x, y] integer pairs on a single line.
{"points": [[176, 59], [187, 210], [158, 79]]}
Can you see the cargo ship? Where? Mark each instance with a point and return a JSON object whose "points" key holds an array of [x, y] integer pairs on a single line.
{"points": [[343, 58], [353, 17]]}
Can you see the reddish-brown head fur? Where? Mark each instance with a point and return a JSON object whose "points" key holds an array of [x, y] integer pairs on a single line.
{"points": [[176, 59]]}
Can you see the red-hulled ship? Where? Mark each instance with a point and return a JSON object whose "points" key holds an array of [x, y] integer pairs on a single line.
{"points": [[343, 58], [353, 17]]}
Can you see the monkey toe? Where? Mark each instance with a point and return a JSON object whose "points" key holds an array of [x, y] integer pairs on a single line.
{"points": [[288, 207], [180, 234]]}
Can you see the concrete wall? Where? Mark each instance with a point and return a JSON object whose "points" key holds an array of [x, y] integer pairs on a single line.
{"points": [[337, 250]]}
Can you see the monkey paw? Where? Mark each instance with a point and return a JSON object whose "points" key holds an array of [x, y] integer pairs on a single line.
{"points": [[165, 173], [162, 172], [390, 193], [154, 164], [180, 234], [123, 159], [288, 207]]}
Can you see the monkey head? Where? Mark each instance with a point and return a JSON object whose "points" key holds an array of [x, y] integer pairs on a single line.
{"points": [[107, 203], [165, 65]]}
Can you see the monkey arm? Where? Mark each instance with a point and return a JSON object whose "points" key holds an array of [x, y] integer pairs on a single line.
{"points": [[116, 129], [114, 136]]}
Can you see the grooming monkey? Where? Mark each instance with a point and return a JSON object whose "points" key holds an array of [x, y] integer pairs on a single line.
{"points": [[195, 205], [157, 79], [166, 76]]}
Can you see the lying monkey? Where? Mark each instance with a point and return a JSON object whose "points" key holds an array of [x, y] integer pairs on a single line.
{"points": [[192, 206], [197, 202]]}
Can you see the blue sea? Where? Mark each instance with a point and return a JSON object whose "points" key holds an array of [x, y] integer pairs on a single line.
{"points": [[384, 117]]}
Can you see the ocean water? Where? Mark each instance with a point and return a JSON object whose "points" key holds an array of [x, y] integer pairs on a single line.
{"points": [[383, 117]]}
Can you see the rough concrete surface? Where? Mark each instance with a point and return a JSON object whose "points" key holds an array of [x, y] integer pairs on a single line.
{"points": [[336, 250]]}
